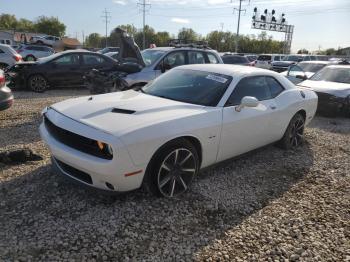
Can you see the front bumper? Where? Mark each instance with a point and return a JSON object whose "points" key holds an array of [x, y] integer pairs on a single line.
{"points": [[330, 105], [279, 69], [109, 175], [5, 104]]}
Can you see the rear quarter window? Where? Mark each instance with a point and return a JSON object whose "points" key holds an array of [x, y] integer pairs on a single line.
{"points": [[264, 58]]}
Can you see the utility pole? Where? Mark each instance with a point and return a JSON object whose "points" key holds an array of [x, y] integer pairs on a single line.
{"points": [[106, 18], [82, 33], [222, 26], [143, 5], [239, 21]]}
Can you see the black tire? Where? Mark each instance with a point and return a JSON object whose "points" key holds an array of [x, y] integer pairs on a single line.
{"points": [[39, 42], [37, 83], [30, 58], [172, 169], [294, 135]]}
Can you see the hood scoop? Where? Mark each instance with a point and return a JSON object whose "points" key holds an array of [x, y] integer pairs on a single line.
{"points": [[123, 111]]}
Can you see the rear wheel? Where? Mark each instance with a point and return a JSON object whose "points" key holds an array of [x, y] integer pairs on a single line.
{"points": [[172, 169], [294, 135], [30, 58], [37, 83]]}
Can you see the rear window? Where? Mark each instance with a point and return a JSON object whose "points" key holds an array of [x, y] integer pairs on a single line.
{"points": [[264, 58]]}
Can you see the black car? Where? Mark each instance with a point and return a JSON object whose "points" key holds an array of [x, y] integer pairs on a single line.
{"points": [[62, 69], [281, 66], [235, 60], [6, 97]]}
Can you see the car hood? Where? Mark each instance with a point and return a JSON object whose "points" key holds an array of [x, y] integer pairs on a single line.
{"points": [[122, 112], [332, 88], [128, 49]]}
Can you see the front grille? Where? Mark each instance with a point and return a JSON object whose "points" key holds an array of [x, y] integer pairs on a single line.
{"points": [[74, 172], [78, 142]]}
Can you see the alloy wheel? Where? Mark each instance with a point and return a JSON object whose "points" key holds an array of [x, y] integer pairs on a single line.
{"points": [[37, 83], [297, 133], [176, 172]]}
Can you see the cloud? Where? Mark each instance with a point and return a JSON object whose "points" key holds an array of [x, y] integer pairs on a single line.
{"points": [[180, 20], [119, 2]]}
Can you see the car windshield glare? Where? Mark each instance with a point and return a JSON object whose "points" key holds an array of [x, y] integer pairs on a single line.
{"points": [[190, 86], [151, 56], [310, 67], [339, 75]]}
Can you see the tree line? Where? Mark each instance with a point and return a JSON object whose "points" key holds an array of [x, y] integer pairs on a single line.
{"points": [[43, 24]]}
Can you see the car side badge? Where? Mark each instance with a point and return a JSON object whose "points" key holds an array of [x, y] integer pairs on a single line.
{"points": [[302, 94]]}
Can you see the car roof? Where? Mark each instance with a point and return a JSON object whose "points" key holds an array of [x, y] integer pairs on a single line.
{"points": [[315, 62], [339, 66], [227, 69]]}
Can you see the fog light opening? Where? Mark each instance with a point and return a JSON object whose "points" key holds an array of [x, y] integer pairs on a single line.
{"points": [[110, 186]]}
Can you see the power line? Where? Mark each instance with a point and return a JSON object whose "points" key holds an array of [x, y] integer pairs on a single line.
{"points": [[143, 5], [106, 18]]}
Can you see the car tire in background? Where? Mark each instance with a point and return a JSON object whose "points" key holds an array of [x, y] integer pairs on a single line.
{"points": [[30, 58], [37, 83], [294, 135], [3, 66], [172, 169]]}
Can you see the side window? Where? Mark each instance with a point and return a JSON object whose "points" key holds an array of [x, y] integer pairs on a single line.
{"points": [[1, 51], [92, 59], [255, 86], [277, 58], [307, 58], [174, 59], [49, 38], [72, 59], [212, 58], [195, 57], [275, 87]]}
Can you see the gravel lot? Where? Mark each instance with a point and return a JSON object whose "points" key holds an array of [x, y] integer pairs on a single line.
{"points": [[269, 205]]}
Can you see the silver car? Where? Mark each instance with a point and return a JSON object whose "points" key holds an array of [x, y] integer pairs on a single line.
{"points": [[160, 59], [33, 52]]}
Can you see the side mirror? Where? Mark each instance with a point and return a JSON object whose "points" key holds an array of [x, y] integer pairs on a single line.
{"points": [[302, 77], [247, 101]]}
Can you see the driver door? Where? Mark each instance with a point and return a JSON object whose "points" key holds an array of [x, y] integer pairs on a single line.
{"points": [[251, 127]]}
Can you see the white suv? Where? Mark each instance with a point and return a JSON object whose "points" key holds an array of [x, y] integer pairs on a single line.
{"points": [[265, 61], [8, 56], [33, 52]]}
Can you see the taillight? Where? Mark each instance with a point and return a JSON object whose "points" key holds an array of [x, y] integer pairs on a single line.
{"points": [[17, 57], [2, 79]]}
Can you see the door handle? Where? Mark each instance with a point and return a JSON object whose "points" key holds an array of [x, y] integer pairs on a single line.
{"points": [[273, 107]]}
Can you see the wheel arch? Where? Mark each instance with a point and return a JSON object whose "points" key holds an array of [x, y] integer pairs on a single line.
{"points": [[302, 112], [190, 138], [33, 74]]}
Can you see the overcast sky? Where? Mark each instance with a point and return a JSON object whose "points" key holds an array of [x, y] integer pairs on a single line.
{"points": [[318, 23]]}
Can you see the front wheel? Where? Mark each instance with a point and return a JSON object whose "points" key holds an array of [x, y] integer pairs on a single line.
{"points": [[37, 83], [294, 135], [172, 169]]}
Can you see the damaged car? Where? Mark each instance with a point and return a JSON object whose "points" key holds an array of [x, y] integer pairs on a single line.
{"points": [[332, 85], [6, 96]]}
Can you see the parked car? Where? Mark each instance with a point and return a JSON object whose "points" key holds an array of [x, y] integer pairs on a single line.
{"points": [[113, 55], [235, 60], [6, 97], [332, 85], [303, 70], [8, 56], [189, 118], [108, 49], [160, 59], [59, 70], [280, 66], [265, 60], [251, 58], [48, 40], [33, 52]]}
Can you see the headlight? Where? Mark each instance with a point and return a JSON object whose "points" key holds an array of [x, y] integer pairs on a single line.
{"points": [[105, 148]]}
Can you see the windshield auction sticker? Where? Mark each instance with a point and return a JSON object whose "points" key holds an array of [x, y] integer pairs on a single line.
{"points": [[217, 78]]}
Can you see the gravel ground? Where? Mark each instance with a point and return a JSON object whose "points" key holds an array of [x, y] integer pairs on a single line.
{"points": [[269, 205]]}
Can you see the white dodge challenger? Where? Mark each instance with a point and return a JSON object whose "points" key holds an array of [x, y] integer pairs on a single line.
{"points": [[161, 136]]}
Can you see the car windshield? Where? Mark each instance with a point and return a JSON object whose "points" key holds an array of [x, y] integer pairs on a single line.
{"points": [[311, 67], [189, 86], [151, 56], [333, 74], [293, 58]]}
